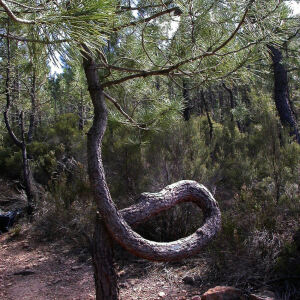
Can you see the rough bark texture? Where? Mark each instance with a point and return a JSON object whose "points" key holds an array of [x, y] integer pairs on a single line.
{"points": [[281, 92], [117, 222], [104, 271]]}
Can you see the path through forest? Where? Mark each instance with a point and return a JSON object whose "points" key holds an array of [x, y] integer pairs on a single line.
{"points": [[40, 271]]}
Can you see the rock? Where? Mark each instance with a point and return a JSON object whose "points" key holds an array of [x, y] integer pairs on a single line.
{"points": [[223, 293], [198, 278], [196, 298], [121, 273], [265, 295], [188, 280], [124, 285], [133, 281], [76, 268], [25, 245], [161, 294]]}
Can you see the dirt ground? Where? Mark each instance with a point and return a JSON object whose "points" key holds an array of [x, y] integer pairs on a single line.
{"points": [[31, 271]]}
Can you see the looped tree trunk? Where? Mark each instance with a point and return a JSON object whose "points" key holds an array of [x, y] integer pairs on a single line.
{"points": [[153, 203], [117, 223]]}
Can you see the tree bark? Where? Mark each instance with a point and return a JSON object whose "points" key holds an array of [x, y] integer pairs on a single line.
{"points": [[211, 128], [32, 118], [281, 93], [232, 105], [117, 222], [103, 261], [26, 171], [186, 101], [81, 112]]}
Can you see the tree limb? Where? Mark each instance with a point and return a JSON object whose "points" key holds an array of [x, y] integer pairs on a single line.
{"points": [[26, 40], [154, 16], [166, 71], [120, 109], [13, 16]]}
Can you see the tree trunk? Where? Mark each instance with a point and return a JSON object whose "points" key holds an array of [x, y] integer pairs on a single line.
{"points": [[281, 93], [232, 105], [211, 129], [186, 101], [28, 183], [118, 223], [81, 112], [26, 171], [21, 144], [103, 262], [32, 119]]}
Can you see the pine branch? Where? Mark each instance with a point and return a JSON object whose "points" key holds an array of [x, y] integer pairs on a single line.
{"points": [[168, 70], [26, 40], [146, 20], [13, 16], [120, 109]]}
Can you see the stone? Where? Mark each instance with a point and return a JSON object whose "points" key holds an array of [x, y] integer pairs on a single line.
{"points": [[196, 298], [188, 280], [223, 293], [124, 285], [121, 273], [161, 294]]}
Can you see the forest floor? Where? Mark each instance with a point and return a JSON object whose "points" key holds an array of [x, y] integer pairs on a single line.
{"points": [[33, 268], [38, 271]]}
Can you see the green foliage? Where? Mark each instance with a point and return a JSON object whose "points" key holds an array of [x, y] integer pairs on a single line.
{"points": [[11, 163], [288, 261]]}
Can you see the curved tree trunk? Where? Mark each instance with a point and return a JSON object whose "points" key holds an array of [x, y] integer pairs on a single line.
{"points": [[117, 223], [281, 93]]}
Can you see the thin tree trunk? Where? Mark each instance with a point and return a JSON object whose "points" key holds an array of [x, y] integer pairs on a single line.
{"points": [[26, 171], [281, 93], [211, 128], [232, 105], [21, 144], [32, 118], [186, 101]]}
